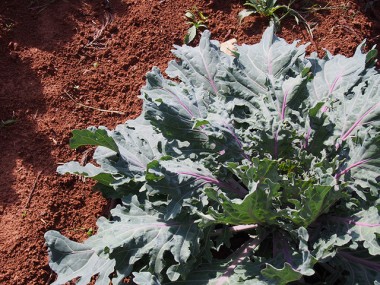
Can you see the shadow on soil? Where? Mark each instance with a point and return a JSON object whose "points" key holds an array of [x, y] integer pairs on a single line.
{"points": [[28, 27]]}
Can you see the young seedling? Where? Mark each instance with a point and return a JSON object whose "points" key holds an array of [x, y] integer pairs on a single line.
{"points": [[197, 20], [268, 8], [7, 122]]}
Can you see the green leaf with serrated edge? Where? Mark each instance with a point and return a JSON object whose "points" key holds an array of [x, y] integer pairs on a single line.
{"points": [[337, 74], [233, 270], [256, 207], [92, 136], [89, 170], [199, 65], [363, 226], [174, 110], [130, 236], [72, 260], [267, 189], [283, 275], [299, 262], [184, 182]]}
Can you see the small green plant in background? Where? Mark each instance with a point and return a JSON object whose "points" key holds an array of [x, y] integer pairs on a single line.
{"points": [[197, 20], [8, 122], [276, 12]]}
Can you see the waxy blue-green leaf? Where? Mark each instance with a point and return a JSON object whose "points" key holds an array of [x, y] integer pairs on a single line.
{"points": [[190, 115], [132, 235], [335, 75], [199, 65], [71, 260], [184, 182]]}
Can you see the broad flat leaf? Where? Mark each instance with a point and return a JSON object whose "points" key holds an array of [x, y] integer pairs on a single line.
{"points": [[92, 136], [264, 95], [131, 235], [335, 75], [145, 278], [189, 115], [362, 227], [368, 229], [89, 170], [72, 260], [138, 145], [357, 109], [198, 66], [363, 164]]}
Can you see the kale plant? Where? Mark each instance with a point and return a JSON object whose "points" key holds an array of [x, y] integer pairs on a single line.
{"points": [[261, 168]]}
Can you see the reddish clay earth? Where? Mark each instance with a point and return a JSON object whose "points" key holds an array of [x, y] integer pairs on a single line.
{"points": [[58, 55]]}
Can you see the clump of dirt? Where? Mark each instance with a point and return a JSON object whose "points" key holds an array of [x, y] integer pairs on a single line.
{"points": [[68, 65]]}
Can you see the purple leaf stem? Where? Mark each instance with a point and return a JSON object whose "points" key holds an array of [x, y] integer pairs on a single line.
{"points": [[358, 121], [284, 105], [351, 221], [276, 144], [334, 84], [210, 79], [241, 254], [183, 105], [369, 264], [307, 137], [212, 180], [356, 164]]}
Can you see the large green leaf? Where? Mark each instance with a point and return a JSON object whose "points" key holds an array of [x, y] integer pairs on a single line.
{"points": [[198, 66], [71, 260], [92, 136], [124, 241]]}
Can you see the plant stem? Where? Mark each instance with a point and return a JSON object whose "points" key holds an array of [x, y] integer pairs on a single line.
{"points": [[235, 229]]}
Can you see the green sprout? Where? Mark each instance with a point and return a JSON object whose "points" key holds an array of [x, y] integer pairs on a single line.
{"points": [[268, 8], [197, 20], [90, 232]]}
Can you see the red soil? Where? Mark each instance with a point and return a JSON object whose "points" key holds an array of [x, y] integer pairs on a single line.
{"points": [[57, 55]]}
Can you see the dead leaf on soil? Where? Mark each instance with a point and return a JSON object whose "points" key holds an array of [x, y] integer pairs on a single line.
{"points": [[228, 47]]}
